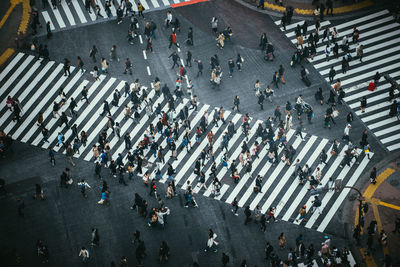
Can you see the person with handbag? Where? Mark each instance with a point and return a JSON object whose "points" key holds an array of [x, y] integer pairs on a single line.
{"points": [[211, 243]]}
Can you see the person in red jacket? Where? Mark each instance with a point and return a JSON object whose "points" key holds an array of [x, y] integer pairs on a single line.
{"points": [[172, 40]]}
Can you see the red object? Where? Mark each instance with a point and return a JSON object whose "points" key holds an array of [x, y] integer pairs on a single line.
{"points": [[173, 38], [371, 86], [188, 3]]}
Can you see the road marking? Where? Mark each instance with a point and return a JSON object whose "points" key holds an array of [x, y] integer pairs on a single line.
{"points": [[144, 54], [78, 10], [10, 65], [57, 14], [140, 38], [148, 71]]}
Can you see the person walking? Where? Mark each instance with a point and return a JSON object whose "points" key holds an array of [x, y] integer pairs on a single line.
{"points": [[84, 254], [235, 206], [372, 176], [84, 93], [93, 53], [282, 240], [69, 154], [363, 104], [236, 103], [281, 72], [211, 243], [95, 237], [175, 59], [83, 185], [128, 66], [247, 213], [316, 205]]}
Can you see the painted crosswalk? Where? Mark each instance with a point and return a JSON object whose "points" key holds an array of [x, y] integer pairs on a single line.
{"points": [[380, 37], [36, 85], [65, 16]]}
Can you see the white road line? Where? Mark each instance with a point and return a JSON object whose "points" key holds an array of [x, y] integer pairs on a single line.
{"points": [[144, 54], [363, 38], [370, 100], [267, 165], [39, 106], [217, 143], [390, 139], [15, 75], [309, 28], [388, 130], [176, 1], [304, 190], [27, 89], [179, 50], [325, 179], [57, 15], [394, 147], [88, 109], [193, 176], [140, 39], [368, 75], [10, 66], [289, 27], [49, 110], [289, 192], [284, 179], [235, 155], [21, 82], [271, 179], [367, 49], [353, 22], [78, 10], [165, 2], [32, 99], [46, 18], [371, 108], [338, 202], [91, 90], [145, 5], [375, 116], [99, 124], [342, 175], [148, 71], [358, 96], [102, 10], [68, 13]]}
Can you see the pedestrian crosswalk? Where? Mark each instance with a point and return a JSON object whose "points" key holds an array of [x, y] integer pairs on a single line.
{"points": [[36, 83], [380, 37], [65, 16]]}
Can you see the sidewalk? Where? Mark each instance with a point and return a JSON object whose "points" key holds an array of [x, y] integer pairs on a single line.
{"points": [[383, 200]]}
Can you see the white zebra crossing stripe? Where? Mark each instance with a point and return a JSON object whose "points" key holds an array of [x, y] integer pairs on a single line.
{"points": [[47, 18], [57, 15], [342, 175], [145, 5], [271, 179], [388, 130], [27, 90], [165, 2], [35, 112], [284, 179], [89, 108], [92, 14], [357, 96], [10, 66], [101, 124], [332, 211], [155, 3], [354, 22], [48, 112], [289, 192], [14, 77], [217, 145], [53, 136], [300, 195], [250, 189], [222, 191], [335, 165], [68, 13], [390, 139], [78, 11], [394, 147]]}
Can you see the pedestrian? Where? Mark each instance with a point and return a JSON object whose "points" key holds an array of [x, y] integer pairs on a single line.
{"points": [[247, 213], [316, 205], [93, 53], [282, 240], [48, 30], [164, 251], [128, 66], [376, 79], [235, 206], [239, 62], [372, 176], [168, 20], [189, 40], [84, 254], [302, 213], [211, 243], [225, 260], [84, 93], [173, 40], [113, 54], [69, 154], [236, 103], [363, 104], [360, 52], [38, 192], [175, 58], [84, 185], [214, 24], [346, 133], [271, 214], [95, 237], [140, 8]]}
